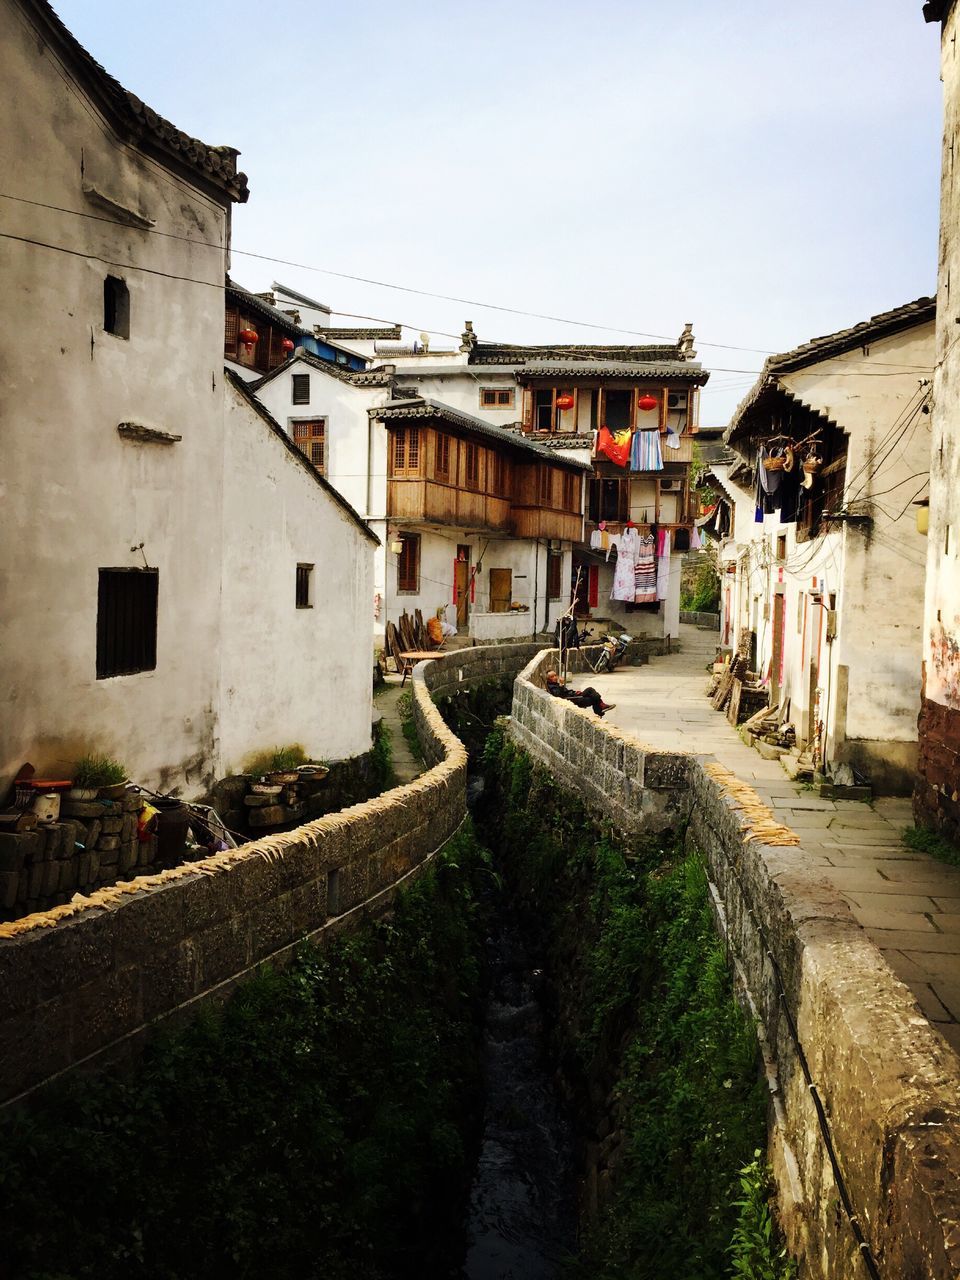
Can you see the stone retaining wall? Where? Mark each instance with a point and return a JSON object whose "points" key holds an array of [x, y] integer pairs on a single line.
{"points": [[87, 980], [709, 621], [837, 1026]]}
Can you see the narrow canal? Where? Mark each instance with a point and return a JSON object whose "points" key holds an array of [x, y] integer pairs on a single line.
{"points": [[522, 1206]]}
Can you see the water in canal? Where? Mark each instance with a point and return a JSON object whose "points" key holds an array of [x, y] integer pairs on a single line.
{"points": [[522, 1217]]}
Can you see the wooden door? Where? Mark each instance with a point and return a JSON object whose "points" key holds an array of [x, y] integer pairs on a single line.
{"points": [[461, 584], [501, 590]]}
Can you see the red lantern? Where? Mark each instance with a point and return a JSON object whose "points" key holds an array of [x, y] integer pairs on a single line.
{"points": [[249, 337], [287, 345], [565, 401], [646, 402]]}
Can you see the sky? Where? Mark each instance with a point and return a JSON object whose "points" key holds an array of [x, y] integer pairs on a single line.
{"points": [[767, 172]]}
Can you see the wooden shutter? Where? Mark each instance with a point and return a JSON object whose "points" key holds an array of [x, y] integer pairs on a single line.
{"points": [[230, 331]]}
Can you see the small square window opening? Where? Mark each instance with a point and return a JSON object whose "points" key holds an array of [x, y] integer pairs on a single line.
{"points": [[304, 586], [126, 621], [116, 307], [301, 388]]}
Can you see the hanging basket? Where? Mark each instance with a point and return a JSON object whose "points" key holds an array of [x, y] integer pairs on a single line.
{"points": [[773, 463], [812, 464]]}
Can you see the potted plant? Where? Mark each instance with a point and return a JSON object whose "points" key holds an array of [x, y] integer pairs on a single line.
{"points": [[98, 776]]}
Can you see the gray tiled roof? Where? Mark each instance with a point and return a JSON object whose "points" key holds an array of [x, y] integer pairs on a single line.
{"points": [[670, 370], [355, 377], [213, 166], [254, 303], [879, 326], [920, 311], [510, 353], [401, 410]]}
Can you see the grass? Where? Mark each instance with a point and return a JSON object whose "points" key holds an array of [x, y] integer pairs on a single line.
{"points": [[276, 760], [98, 771], [408, 726], [937, 846]]}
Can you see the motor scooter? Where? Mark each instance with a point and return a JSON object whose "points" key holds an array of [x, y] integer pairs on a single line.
{"points": [[614, 647]]}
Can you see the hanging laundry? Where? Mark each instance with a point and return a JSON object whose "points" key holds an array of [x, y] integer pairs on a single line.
{"points": [[624, 577], [615, 445], [595, 540], [645, 454], [645, 571], [673, 440], [663, 563]]}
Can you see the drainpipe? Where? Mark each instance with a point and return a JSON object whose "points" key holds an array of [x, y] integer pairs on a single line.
{"points": [[546, 592]]}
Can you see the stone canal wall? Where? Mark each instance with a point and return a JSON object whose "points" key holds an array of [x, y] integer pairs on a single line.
{"points": [[865, 1110], [86, 981]]}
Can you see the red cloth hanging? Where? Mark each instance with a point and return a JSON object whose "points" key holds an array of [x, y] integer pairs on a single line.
{"points": [[593, 586], [615, 445]]}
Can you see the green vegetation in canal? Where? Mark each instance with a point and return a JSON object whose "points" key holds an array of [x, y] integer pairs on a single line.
{"points": [[321, 1124], [471, 713], [659, 1058]]}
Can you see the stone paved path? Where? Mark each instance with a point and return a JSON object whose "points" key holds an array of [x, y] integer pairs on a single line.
{"points": [[406, 767], [908, 903]]}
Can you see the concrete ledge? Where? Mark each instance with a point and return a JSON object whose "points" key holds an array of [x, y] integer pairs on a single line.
{"points": [[85, 982], [841, 1027]]}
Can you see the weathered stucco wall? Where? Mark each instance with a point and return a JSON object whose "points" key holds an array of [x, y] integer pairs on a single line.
{"points": [[937, 795], [75, 496], [87, 981], [287, 674], [838, 1027]]}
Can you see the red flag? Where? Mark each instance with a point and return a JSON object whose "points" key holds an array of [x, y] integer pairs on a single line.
{"points": [[615, 444]]}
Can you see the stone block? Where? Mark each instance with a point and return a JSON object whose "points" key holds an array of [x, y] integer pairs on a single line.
{"points": [[68, 875], [109, 856], [128, 856], [52, 840], [112, 824], [168, 977], [222, 951], [128, 829], [130, 803], [104, 1010], [36, 878], [108, 843], [13, 851], [9, 887], [82, 808], [271, 815], [83, 870], [51, 879], [93, 833]]}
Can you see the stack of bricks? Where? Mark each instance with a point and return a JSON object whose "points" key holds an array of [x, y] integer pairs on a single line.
{"points": [[95, 843], [936, 797]]}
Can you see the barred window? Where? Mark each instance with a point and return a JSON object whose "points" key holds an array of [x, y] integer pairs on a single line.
{"points": [[301, 388], [309, 435], [472, 466], [406, 451], [442, 461], [126, 621], [496, 398], [554, 575]]}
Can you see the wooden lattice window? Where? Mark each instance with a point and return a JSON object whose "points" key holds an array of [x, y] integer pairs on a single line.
{"points": [[496, 398], [571, 492], [408, 563], [472, 466], [499, 486], [231, 329], [546, 486], [301, 388], [126, 621], [406, 451], [309, 436], [442, 459]]}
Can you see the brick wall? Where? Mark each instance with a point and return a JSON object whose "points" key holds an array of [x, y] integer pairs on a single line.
{"points": [[823, 997], [88, 979], [936, 796]]}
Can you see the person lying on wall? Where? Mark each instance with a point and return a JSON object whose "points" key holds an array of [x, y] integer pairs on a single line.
{"points": [[588, 697]]}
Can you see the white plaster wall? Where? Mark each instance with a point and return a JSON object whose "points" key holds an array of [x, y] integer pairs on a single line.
{"points": [[941, 631], [75, 497], [288, 674]]}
